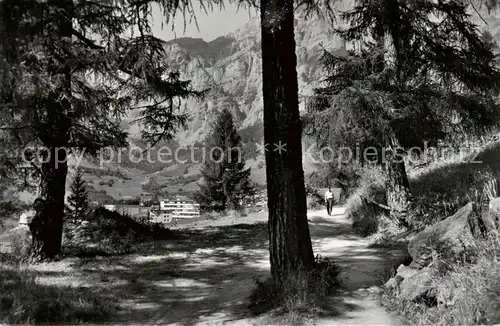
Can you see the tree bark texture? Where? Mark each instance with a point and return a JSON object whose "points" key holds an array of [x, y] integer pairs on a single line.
{"points": [[290, 242], [54, 132], [398, 192]]}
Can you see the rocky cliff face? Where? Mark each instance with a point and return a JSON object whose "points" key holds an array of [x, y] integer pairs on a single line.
{"points": [[230, 66]]}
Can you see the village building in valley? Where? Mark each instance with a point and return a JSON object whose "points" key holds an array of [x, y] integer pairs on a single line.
{"points": [[162, 211], [168, 210]]}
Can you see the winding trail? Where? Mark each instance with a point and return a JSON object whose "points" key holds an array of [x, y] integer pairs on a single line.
{"points": [[363, 270], [205, 276]]}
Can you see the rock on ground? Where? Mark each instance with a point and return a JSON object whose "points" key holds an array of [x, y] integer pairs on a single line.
{"points": [[452, 238], [418, 286], [21, 241], [448, 240]]}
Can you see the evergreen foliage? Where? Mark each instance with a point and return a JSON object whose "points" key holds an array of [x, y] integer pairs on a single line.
{"points": [[69, 71], [226, 180], [420, 72], [439, 76], [78, 201]]}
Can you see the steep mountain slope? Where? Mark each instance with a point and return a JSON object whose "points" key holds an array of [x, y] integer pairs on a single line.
{"points": [[230, 66]]}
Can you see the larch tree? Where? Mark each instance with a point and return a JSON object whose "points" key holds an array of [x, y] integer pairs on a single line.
{"points": [[418, 67], [69, 71], [289, 237]]}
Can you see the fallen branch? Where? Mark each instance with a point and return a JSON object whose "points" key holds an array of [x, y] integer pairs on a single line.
{"points": [[371, 201]]}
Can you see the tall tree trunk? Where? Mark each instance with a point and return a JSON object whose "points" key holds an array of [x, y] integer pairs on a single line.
{"points": [[397, 187], [290, 242], [398, 193], [47, 226]]}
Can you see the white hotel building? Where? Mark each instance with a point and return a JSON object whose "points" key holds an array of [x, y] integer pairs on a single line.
{"points": [[169, 210]]}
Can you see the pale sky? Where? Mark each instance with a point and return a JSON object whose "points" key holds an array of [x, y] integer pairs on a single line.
{"points": [[215, 24]]}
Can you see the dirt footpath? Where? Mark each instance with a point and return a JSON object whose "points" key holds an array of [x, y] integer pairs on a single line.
{"points": [[205, 276]]}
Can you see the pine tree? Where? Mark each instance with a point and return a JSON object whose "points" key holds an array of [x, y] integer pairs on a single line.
{"points": [[290, 246], [78, 201], [226, 180], [405, 87], [69, 71]]}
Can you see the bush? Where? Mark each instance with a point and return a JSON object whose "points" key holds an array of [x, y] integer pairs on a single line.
{"points": [[350, 175], [108, 233], [314, 203], [20, 245], [314, 199], [8, 210], [213, 215], [364, 214]]}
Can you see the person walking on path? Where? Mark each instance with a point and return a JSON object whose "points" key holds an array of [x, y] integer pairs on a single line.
{"points": [[329, 201]]}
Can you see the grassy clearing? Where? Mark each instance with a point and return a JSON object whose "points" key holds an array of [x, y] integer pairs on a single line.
{"points": [[23, 300], [441, 192], [299, 299]]}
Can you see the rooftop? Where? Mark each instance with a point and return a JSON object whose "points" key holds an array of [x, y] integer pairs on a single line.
{"points": [[178, 198]]}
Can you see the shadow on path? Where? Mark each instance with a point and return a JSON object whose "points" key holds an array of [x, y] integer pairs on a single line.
{"points": [[206, 276]]}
